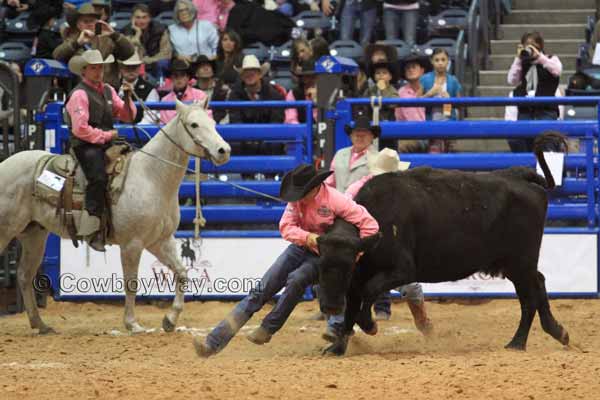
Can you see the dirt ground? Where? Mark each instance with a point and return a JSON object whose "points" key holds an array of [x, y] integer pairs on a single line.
{"points": [[93, 358]]}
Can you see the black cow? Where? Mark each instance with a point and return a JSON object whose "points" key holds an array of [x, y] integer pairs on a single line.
{"points": [[440, 225]]}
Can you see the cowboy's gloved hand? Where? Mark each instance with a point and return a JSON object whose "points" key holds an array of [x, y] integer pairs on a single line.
{"points": [[311, 242], [115, 133], [126, 87]]}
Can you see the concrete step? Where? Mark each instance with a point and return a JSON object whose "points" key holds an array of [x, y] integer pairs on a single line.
{"points": [[552, 46], [503, 62], [549, 16], [498, 77], [554, 4], [494, 91], [481, 145], [548, 31], [486, 112]]}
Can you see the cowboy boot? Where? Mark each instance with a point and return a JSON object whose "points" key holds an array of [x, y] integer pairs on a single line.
{"points": [[423, 324], [90, 229]]}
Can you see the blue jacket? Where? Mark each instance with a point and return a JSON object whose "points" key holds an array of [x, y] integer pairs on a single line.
{"points": [[452, 85]]}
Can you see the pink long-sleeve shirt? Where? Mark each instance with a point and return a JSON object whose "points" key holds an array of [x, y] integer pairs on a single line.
{"points": [[354, 155], [78, 108], [552, 64], [211, 11], [315, 215], [409, 113], [291, 114], [190, 94], [354, 188]]}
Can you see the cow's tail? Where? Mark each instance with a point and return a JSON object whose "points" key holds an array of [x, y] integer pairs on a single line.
{"points": [[549, 141]]}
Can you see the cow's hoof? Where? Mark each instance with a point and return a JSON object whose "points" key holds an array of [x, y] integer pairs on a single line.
{"points": [[515, 346], [167, 325], [337, 349], [47, 330], [370, 328], [564, 337]]}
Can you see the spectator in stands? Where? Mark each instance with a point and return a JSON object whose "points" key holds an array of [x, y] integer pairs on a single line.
{"points": [[366, 10], [44, 15], [104, 8], [12, 8], [305, 89], [256, 24], [82, 35], [401, 14], [535, 74], [204, 70], [214, 11], [130, 72], [439, 83], [253, 87], [320, 47], [412, 69], [380, 52], [229, 57], [511, 113], [383, 74], [182, 91], [300, 51], [191, 37], [159, 6], [71, 5], [151, 39]]}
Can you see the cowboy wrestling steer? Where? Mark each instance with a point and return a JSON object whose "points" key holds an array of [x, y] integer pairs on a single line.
{"points": [[440, 225]]}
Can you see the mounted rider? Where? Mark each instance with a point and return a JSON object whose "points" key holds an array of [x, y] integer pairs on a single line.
{"points": [[91, 108]]}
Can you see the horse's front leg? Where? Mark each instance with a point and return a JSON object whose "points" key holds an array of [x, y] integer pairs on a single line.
{"points": [[130, 260], [166, 252]]}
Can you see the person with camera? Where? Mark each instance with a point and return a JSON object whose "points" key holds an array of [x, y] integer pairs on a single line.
{"points": [[535, 74], [191, 37], [87, 31]]}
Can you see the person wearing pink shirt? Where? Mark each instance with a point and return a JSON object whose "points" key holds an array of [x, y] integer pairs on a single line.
{"points": [[305, 89], [312, 208], [534, 74], [93, 132], [214, 11], [182, 91]]}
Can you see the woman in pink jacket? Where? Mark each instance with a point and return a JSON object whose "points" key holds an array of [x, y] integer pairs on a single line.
{"points": [[312, 207]]}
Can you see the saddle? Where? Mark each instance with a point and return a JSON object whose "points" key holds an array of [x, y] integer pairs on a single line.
{"points": [[69, 200]]}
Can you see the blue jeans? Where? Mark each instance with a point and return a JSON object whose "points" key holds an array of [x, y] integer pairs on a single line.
{"points": [[351, 9], [393, 20], [413, 292], [296, 269]]}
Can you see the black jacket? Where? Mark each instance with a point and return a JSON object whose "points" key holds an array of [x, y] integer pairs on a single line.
{"points": [[150, 37], [255, 24], [48, 40], [263, 115]]}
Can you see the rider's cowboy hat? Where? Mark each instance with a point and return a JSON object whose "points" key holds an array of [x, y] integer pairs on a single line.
{"points": [[251, 62], [363, 122], [89, 57], [298, 182], [134, 60], [85, 9], [387, 160]]}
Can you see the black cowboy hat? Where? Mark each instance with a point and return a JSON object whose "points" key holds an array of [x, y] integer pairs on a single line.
{"points": [[390, 52], [412, 59], [391, 67], [362, 121], [178, 65], [301, 180], [202, 59], [305, 68], [73, 15]]}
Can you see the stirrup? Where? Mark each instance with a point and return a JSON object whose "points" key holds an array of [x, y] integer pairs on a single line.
{"points": [[96, 242]]}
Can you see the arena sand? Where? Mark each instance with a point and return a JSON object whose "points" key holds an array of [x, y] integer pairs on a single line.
{"points": [[92, 357]]}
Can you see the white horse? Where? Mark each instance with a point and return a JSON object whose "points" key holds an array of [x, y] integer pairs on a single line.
{"points": [[145, 217]]}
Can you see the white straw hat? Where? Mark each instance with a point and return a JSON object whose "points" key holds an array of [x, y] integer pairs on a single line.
{"points": [[387, 160]]}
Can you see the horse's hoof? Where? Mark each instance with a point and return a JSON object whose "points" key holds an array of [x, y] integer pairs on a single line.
{"points": [[338, 348], [47, 330], [564, 337], [135, 328], [167, 325], [202, 350], [515, 346]]}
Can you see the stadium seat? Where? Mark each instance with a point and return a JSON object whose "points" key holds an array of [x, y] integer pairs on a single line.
{"points": [[581, 112], [311, 20], [17, 29], [444, 43], [283, 77], [283, 53], [15, 52], [447, 23], [258, 49], [166, 18], [346, 48], [125, 5], [120, 20], [402, 48]]}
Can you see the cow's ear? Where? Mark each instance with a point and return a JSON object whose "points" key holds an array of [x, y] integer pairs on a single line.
{"points": [[370, 242]]}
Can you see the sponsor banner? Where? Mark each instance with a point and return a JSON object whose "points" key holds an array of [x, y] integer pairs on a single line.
{"points": [[233, 266]]}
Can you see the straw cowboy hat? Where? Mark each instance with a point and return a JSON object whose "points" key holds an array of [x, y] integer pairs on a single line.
{"points": [[85, 9], [387, 160], [301, 180], [134, 60], [362, 121], [251, 62], [89, 57]]}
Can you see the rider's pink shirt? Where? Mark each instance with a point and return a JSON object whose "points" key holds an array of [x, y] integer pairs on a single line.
{"points": [[78, 108], [316, 215]]}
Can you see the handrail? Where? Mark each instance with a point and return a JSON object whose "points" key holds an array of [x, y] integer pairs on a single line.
{"points": [[482, 101], [460, 56], [473, 42]]}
